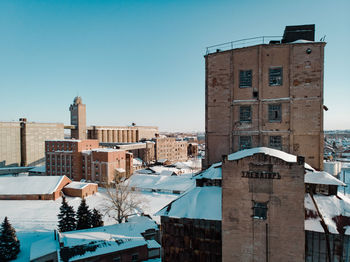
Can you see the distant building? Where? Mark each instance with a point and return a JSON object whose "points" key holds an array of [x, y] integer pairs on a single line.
{"points": [[83, 159], [168, 148], [78, 118], [80, 189], [23, 143], [122, 134], [32, 187], [266, 95]]}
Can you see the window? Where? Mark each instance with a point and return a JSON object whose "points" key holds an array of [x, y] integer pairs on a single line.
{"points": [[276, 142], [135, 257], [245, 78], [245, 142], [275, 114], [117, 259], [275, 76], [245, 114], [259, 210]]}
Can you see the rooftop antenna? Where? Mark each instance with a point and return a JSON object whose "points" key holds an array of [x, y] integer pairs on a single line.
{"points": [[323, 38]]}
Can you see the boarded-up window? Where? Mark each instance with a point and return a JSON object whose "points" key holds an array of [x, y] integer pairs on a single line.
{"points": [[259, 210], [245, 78], [245, 142], [276, 76], [275, 142], [275, 113], [245, 114]]}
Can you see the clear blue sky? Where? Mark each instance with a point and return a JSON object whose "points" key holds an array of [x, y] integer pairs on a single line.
{"points": [[142, 61]]}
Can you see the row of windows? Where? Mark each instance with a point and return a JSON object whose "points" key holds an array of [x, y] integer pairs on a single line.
{"points": [[245, 142], [275, 77], [275, 113]]}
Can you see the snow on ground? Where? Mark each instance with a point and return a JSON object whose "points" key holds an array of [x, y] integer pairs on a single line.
{"points": [[36, 219]]}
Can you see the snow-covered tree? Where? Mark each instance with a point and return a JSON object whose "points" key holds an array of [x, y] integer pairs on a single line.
{"points": [[66, 217], [96, 219], [83, 216], [9, 244]]}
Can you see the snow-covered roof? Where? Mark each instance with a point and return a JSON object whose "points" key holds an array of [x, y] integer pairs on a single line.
{"points": [[152, 244], [213, 172], [159, 182], [268, 151], [106, 150], [78, 185], [39, 169], [28, 185], [330, 207], [120, 170], [63, 140], [198, 203], [301, 41], [43, 247], [322, 178], [111, 238]]}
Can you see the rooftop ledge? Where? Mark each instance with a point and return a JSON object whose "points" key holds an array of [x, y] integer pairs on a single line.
{"points": [[260, 40]]}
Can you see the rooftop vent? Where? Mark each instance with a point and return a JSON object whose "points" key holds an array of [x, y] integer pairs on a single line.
{"points": [[297, 32]]}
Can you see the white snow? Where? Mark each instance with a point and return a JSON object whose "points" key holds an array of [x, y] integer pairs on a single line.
{"points": [[109, 238], [213, 172], [26, 185], [161, 183], [43, 247], [301, 41], [106, 150], [323, 178], [78, 185], [198, 203], [268, 151], [41, 169]]}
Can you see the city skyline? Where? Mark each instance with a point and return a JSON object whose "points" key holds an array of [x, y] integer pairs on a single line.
{"points": [[143, 62]]}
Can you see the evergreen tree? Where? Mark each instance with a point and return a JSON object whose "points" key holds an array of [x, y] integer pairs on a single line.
{"points": [[66, 217], [96, 219], [83, 216], [9, 244]]}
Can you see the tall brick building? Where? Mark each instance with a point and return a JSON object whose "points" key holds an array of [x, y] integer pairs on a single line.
{"points": [[78, 118], [266, 95]]}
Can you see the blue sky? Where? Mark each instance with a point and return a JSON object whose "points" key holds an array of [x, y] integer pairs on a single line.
{"points": [[142, 61]]}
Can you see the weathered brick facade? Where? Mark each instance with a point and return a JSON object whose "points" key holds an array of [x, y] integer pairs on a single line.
{"points": [[263, 209], [241, 81]]}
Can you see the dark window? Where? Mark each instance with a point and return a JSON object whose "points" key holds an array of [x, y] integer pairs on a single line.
{"points": [[276, 142], [245, 114], [259, 210], [135, 257], [275, 114], [245, 78], [245, 142], [275, 76], [117, 259]]}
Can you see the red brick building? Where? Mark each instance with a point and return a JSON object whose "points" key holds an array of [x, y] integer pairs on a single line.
{"points": [[82, 159]]}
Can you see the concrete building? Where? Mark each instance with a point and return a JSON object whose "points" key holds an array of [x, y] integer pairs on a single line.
{"points": [[266, 95], [22, 143], [122, 134], [83, 159], [78, 118], [10, 144]]}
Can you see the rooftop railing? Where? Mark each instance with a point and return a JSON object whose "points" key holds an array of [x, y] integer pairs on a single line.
{"points": [[242, 43]]}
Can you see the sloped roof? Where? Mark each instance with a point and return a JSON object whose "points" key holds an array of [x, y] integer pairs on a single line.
{"points": [[322, 178], [213, 172], [29, 185], [268, 151], [198, 203]]}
